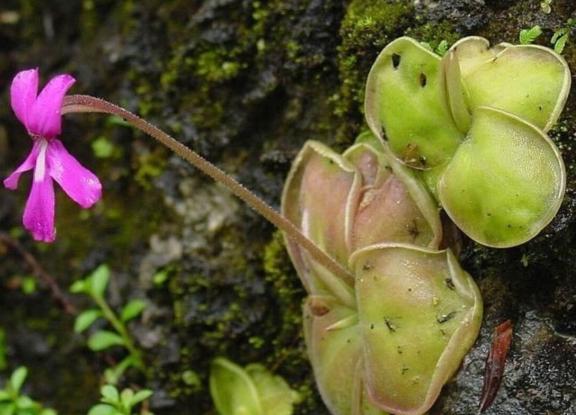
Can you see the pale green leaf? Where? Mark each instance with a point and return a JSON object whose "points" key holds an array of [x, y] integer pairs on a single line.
{"points": [[85, 320], [274, 393], [506, 181], [141, 396], [103, 409], [79, 287], [110, 393], [232, 389], [102, 340], [18, 378], [560, 44], [419, 313], [133, 309], [406, 105], [99, 280], [528, 36]]}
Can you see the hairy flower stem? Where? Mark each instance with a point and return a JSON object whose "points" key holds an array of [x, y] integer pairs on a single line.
{"points": [[86, 103]]}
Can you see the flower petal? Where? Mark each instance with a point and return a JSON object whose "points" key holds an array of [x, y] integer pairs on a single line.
{"points": [[79, 183], [23, 93], [45, 116], [39, 210], [11, 182]]}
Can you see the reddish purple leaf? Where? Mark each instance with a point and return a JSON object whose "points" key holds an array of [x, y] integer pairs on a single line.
{"points": [[495, 364]]}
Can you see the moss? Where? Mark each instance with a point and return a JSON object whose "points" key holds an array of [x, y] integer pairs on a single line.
{"points": [[434, 33], [289, 295], [367, 27]]}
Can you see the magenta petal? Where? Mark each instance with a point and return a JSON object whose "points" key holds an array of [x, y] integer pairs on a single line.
{"points": [[11, 182], [23, 93], [39, 210], [79, 183], [45, 117]]}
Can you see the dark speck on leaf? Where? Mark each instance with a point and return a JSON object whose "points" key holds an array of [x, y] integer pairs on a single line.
{"points": [[423, 80], [395, 60], [450, 284], [443, 318], [390, 325]]}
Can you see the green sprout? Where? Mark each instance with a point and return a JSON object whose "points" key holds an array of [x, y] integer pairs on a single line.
{"points": [[249, 391], [392, 336], [546, 6], [528, 36], [14, 402], [440, 50], [120, 403], [94, 285], [476, 130], [561, 36]]}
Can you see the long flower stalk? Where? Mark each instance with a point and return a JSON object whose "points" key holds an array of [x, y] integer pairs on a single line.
{"points": [[86, 103]]}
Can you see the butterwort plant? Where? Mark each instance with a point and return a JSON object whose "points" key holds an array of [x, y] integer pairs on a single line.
{"points": [[476, 130], [387, 340], [390, 313]]}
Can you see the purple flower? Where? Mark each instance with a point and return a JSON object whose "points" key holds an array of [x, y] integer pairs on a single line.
{"points": [[41, 115]]}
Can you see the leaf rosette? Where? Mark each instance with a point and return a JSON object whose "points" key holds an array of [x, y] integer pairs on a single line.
{"points": [[389, 338], [474, 124]]}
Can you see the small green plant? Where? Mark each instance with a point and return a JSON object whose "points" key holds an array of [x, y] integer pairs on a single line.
{"points": [[249, 391], [546, 6], [114, 402], [94, 285], [528, 36], [562, 35], [13, 402], [441, 49]]}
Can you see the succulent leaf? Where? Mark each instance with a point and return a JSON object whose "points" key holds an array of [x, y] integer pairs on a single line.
{"points": [[393, 205], [419, 313], [232, 390], [505, 182], [319, 197], [406, 104], [275, 394], [529, 81], [388, 199], [336, 357], [456, 93]]}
